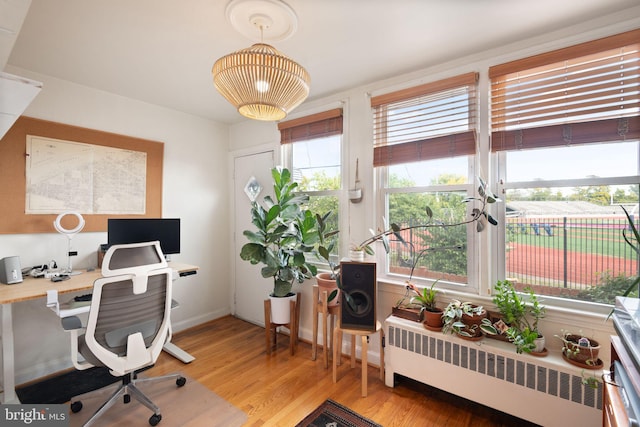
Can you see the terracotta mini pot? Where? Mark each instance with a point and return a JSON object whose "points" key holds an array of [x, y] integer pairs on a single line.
{"points": [[326, 283], [433, 319], [581, 354], [476, 319]]}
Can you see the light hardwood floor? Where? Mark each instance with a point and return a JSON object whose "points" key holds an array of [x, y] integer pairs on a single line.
{"points": [[280, 389]]}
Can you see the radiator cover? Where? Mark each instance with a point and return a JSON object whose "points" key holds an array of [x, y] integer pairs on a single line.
{"points": [[544, 390]]}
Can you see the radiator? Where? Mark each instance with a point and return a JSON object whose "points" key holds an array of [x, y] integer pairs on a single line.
{"points": [[544, 390]]}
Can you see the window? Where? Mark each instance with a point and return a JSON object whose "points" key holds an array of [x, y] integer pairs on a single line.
{"points": [[565, 131], [312, 145], [424, 154]]}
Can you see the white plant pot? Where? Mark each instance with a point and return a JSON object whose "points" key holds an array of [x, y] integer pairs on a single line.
{"points": [[539, 343], [281, 309], [357, 256]]}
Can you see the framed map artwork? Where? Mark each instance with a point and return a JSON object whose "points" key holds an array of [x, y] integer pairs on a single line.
{"points": [[47, 168]]}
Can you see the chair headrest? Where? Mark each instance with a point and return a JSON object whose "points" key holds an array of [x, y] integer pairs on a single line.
{"points": [[135, 258]]}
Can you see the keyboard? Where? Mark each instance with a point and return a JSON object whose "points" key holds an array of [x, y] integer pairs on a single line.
{"points": [[85, 297]]}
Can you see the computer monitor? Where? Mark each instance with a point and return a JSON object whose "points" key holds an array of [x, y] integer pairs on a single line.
{"points": [[137, 230]]}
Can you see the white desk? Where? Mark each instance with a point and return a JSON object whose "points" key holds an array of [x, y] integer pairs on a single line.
{"points": [[31, 289]]}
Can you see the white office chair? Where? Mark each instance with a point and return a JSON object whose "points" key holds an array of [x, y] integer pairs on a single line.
{"points": [[128, 323]]}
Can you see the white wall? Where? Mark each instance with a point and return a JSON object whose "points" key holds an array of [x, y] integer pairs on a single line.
{"points": [[194, 189], [358, 145]]}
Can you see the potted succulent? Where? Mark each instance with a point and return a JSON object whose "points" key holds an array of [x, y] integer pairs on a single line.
{"points": [[521, 317], [580, 350], [422, 303], [426, 299], [467, 320], [284, 235]]}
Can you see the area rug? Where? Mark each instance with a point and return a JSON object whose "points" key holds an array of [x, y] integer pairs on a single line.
{"points": [[192, 405], [333, 414]]}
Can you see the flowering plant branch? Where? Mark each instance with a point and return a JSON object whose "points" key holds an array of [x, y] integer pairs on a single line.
{"points": [[478, 215]]}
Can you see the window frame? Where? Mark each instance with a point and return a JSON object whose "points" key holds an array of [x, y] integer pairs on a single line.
{"points": [[576, 130], [473, 252], [499, 164], [382, 164], [286, 155]]}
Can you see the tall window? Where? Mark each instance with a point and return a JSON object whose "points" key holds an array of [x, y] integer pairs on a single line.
{"points": [[424, 153], [312, 146], [565, 131]]}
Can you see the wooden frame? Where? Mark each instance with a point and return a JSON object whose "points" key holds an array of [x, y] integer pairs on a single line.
{"points": [[13, 173]]}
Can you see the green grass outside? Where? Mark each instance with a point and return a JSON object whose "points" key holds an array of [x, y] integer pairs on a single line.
{"points": [[594, 240]]}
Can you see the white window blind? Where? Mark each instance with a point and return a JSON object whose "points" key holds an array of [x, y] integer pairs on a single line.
{"points": [[430, 121], [587, 93], [326, 123]]}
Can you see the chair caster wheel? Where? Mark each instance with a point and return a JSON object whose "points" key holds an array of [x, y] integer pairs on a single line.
{"points": [[155, 419], [181, 381], [76, 407], [127, 398]]}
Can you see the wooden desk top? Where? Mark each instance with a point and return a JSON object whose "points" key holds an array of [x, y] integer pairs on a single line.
{"points": [[32, 288]]}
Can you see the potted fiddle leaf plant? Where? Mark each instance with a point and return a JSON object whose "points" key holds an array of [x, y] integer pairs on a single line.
{"points": [[284, 235]]}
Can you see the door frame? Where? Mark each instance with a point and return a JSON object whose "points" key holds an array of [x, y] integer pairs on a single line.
{"points": [[233, 155]]}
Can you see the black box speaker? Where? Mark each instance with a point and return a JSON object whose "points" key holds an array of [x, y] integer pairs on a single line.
{"points": [[358, 300]]}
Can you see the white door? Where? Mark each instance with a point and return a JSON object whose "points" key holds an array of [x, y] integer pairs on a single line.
{"points": [[251, 289]]}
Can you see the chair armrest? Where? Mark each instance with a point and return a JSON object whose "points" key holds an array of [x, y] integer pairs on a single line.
{"points": [[71, 323]]}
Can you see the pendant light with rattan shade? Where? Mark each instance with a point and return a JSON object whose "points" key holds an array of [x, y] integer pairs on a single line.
{"points": [[261, 82]]}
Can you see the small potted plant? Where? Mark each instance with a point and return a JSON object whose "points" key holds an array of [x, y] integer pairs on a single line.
{"points": [[422, 303], [467, 320], [521, 317], [426, 299], [357, 252], [328, 281], [580, 350]]}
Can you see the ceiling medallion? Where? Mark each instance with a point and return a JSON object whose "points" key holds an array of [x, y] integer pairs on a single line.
{"points": [[261, 82]]}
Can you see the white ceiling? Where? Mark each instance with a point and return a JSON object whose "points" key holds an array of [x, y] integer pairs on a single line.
{"points": [[162, 51]]}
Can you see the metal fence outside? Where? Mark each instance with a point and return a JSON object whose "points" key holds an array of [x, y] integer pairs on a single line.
{"points": [[555, 255], [567, 252]]}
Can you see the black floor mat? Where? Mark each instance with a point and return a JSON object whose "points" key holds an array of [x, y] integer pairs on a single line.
{"points": [[62, 388]]}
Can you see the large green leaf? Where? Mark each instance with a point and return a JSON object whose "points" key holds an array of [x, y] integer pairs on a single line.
{"points": [[281, 288], [299, 259], [253, 252], [324, 252], [272, 214], [255, 237]]}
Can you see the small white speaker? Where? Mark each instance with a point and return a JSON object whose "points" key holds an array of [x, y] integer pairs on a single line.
{"points": [[10, 272]]}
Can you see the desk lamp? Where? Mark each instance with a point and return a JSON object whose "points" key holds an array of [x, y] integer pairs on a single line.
{"points": [[69, 233]]}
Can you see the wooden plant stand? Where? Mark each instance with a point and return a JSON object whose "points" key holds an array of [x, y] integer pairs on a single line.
{"points": [[327, 313], [293, 325], [364, 336]]}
